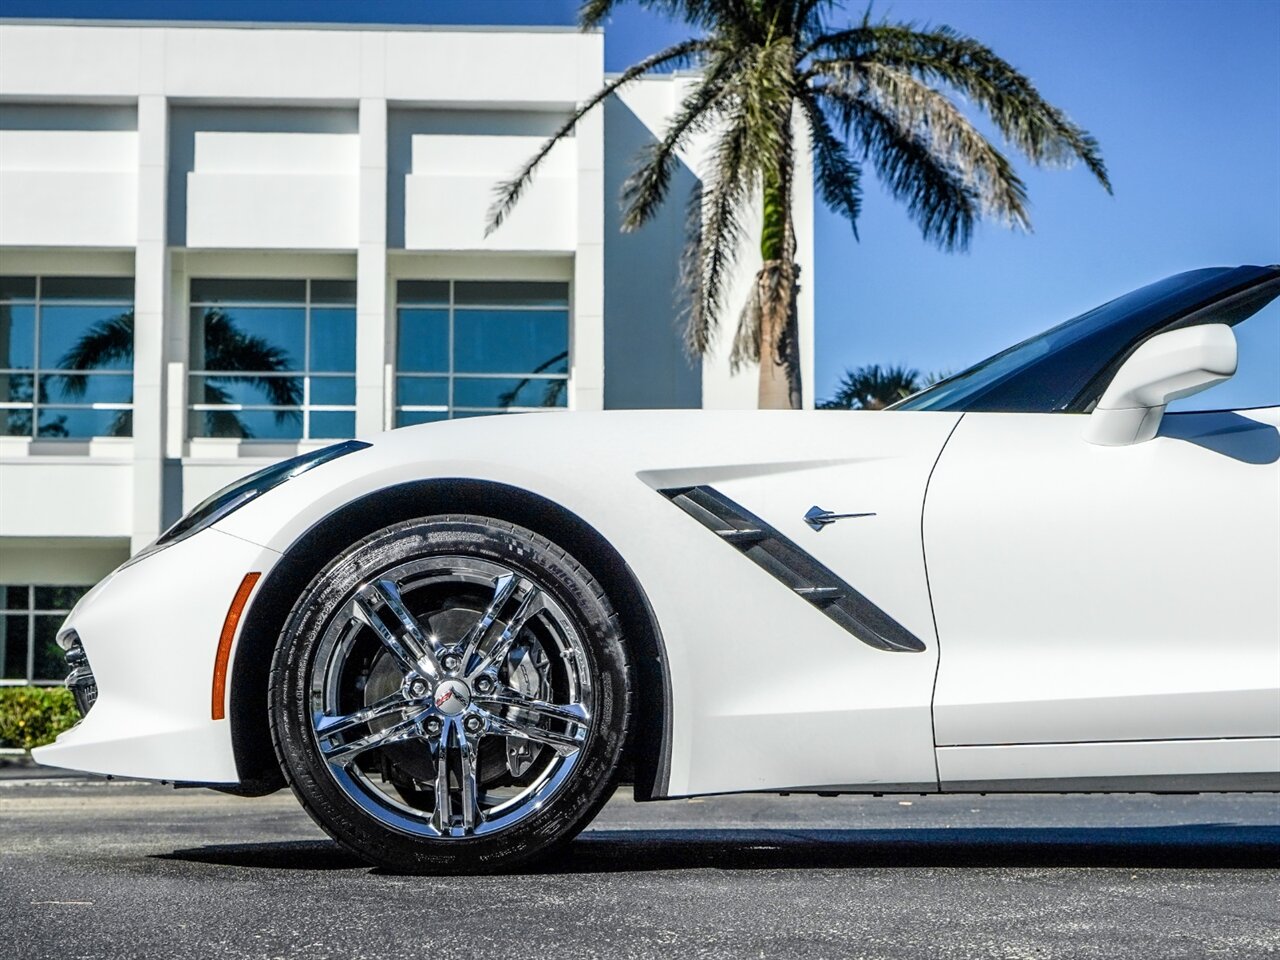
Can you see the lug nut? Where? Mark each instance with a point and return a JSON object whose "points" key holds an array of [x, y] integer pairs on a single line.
{"points": [[484, 685], [473, 724], [433, 727], [451, 662], [418, 688]]}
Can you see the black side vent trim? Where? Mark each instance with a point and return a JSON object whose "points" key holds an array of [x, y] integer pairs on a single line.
{"points": [[789, 564]]}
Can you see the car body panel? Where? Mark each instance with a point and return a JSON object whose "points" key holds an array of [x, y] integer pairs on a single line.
{"points": [[151, 631], [1087, 593]]}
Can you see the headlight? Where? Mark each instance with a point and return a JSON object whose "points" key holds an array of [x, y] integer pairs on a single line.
{"points": [[233, 497]]}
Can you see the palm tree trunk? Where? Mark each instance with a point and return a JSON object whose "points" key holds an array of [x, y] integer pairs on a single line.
{"points": [[777, 289]]}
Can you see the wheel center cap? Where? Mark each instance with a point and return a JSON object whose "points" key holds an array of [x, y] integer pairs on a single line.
{"points": [[452, 697]]}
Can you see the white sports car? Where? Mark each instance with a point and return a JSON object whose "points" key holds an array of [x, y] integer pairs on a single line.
{"points": [[452, 640]]}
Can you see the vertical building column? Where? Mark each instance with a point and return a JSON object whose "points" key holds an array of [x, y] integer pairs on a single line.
{"points": [[151, 295], [372, 324], [588, 262]]}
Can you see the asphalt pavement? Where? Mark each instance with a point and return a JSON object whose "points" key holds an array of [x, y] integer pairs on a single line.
{"points": [[95, 869]]}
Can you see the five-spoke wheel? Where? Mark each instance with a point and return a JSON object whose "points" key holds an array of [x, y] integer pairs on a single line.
{"points": [[448, 684]]}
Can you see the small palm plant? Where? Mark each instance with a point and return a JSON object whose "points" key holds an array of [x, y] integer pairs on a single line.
{"points": [[227, 349], [871, 93], [874, 387]]}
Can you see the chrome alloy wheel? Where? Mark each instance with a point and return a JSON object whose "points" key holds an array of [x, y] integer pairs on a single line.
{"points": [[450, 697]]}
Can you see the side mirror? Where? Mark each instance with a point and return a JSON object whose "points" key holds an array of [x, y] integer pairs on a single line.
{"points": [[1165, 368]]}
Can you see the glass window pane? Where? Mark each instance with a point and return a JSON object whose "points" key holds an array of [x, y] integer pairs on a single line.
{"points": [[513, 392], [15, 423], [49, 663], [17, 336], [247, 424], [333, 391], [85, 337], [13, 647], [16, 387], [407, 418], [422, 292], [15, 598], [522, 293], [80, 423], [248, 291], [248, 339], [86, 388], [58, 598], [510, 341], [422, 391], [333, 338], [333, 291], [17, 288], [250, 391], [87, 288], [332, 425], [422, 342]]}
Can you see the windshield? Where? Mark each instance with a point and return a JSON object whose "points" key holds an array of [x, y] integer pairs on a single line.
{"points": [[1060, 369]]}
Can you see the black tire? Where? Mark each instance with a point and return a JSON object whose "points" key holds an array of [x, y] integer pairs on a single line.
{"points": [[325, 607]]}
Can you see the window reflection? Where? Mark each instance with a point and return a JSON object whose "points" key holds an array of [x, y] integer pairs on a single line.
{"points": [[29, 620], [467, 348], [272, 359], [66, 357]]}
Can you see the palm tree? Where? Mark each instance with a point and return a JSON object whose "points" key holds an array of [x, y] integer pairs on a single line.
{"points": [[227, 348], [874, 93], [874, 387]]}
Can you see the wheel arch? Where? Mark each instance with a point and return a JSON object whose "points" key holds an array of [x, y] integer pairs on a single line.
{"points": [[647, 758]]}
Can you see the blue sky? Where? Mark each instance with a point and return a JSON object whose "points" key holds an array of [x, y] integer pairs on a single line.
{"points": [[1181, 94]]}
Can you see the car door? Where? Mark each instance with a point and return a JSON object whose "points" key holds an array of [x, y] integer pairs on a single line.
{"points": [[1107, 614]]}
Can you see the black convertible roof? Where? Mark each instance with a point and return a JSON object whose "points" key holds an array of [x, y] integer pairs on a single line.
{"points": [[1067, 368]]}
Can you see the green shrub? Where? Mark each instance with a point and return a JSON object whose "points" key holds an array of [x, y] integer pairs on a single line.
{"points": [[33, 716]]}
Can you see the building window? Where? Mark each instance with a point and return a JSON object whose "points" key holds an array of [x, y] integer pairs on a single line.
{"points": [[29, 622], [273, 359], [66, 357], [465, 348]]}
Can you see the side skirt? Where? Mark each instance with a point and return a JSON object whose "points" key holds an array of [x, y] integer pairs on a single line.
{"points": [[1236, 764]]}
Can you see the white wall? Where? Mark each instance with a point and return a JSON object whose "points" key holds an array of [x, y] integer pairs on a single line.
{"points": [[265, 190], [68, 176], [455, 160]]}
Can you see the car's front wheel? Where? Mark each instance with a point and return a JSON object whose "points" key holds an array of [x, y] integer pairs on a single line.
{"points": [[451, 694]]}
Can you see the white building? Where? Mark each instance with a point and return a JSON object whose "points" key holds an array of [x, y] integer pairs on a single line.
{"points": [[223, 244]]}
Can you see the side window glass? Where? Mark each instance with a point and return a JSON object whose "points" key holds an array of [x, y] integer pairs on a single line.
{"points": [[1257, 379]]}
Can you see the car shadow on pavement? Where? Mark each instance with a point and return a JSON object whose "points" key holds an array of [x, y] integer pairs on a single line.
{"points": [[1189, 846]]}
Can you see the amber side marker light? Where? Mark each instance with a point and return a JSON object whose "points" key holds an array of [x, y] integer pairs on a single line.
{"points": [[224, 643]]}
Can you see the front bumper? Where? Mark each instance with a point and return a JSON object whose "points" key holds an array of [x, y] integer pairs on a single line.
{"points": [[151, 632]]}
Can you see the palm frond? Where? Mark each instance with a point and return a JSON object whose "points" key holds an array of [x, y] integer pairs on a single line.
{"points": [[646, 188], [229, 349], [945, 207], [1030, 123], [950, 136], [104, 343], [701, 13], [715, 233], [839, 178], [508, 193]]}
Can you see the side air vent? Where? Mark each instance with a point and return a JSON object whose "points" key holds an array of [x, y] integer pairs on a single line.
{"points": [[804, 575]]}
